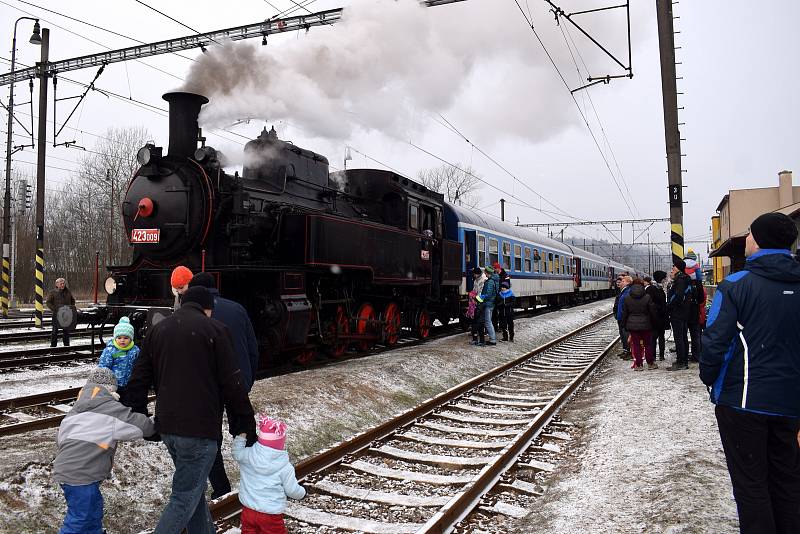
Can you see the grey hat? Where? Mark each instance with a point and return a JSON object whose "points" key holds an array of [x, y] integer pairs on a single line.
{"points": [[102, 376]]}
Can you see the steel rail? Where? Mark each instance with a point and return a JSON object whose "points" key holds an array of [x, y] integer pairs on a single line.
{"points": [[447, 518], [229, 507], [18, 337]]}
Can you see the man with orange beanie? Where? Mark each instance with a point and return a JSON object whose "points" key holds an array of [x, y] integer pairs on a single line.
{"points": [[179, 280]]}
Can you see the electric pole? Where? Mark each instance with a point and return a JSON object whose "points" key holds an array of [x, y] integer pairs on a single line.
{"points": [[669, 93], [40, 168]]}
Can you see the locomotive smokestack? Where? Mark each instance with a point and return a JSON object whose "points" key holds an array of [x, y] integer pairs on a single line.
{"points": [[183, 111]]}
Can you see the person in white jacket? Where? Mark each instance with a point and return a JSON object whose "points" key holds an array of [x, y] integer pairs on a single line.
{"points": [[267, 478]]}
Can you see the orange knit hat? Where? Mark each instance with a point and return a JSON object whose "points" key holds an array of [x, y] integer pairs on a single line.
{"points": [[181, 276]]}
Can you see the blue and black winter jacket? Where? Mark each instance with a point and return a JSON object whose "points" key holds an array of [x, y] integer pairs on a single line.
{"points": [[751, 346], [620, 303]]}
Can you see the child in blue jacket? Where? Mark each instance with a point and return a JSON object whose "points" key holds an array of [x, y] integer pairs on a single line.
{"points": [[267, 478], [120, 354]]}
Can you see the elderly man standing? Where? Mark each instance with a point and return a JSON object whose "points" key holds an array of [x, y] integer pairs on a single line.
{"points": [[60, 296], [750, 360], [188, 358]]}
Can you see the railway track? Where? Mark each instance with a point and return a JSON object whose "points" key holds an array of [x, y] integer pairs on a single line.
{"points": [[26, 337], [47, 355], [429, 469]]}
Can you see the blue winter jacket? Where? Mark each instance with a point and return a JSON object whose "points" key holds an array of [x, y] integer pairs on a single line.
{"points": [[621, 301], [234, 316], [751, 346], [267, 477], [491, 288], [119, 361]]}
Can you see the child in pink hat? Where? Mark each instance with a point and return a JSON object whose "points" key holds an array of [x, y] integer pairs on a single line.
{"points": [[267, 478]]}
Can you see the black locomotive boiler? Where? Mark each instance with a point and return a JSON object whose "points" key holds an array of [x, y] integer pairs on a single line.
{"points": [[321, 261]]}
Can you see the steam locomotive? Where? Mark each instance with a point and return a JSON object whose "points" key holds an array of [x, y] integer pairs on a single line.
{"points": [[322, 261]]}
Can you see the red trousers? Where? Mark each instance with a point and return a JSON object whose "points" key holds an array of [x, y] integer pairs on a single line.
{"points": [[640, 346], [254, 522]]}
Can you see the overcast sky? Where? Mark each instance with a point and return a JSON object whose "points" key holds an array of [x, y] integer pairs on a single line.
{"points": [[387, 78]]}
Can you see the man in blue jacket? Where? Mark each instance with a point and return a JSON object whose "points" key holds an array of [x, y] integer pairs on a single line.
{"points": [[750, 361], [624, 284], [234, 316]]}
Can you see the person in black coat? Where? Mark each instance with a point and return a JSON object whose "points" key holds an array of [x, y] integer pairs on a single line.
{"points": [[638, 316], [505, 310], [189, 361], [234, 316], [661, 323], [680, 306]]}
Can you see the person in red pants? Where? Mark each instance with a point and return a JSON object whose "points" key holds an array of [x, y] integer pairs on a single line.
{"points": [[638, 316]]}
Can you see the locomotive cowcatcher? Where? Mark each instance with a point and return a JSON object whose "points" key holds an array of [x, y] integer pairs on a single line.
{"points": [[320, 261]]}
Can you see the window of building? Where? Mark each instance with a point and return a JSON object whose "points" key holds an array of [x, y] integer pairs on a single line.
{"points": [[506, 255], [493, 252], [413, 217], [527, 260], [481, 251], [517, 257]]}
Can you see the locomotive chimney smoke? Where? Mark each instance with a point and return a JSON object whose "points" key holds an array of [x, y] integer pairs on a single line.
{"points": [[183, 111], [392, 66]]}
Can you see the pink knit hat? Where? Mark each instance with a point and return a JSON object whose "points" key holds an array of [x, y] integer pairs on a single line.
{"points": [[271, 432]]}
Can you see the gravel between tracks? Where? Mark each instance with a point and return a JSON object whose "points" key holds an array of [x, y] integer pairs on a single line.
{"points": [[321, 407]]}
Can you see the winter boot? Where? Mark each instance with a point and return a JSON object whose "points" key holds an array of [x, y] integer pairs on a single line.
{"points": [[505, 335]]}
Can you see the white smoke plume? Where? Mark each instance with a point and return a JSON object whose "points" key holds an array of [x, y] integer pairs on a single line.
{"points": [[388, 66]]}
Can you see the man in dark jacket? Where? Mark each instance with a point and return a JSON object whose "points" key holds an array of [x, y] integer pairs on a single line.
{"points": [[750, 359], [57, 298], [234, 316], [188, 359], [661, 322], [680, 306], [623, 284]]}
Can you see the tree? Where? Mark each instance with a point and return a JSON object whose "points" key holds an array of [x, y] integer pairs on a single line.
{"points": [[458, 185]]}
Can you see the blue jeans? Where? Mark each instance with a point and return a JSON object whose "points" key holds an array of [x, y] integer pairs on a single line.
{"points": [[187, 506], [487, 320], [84, 509]]}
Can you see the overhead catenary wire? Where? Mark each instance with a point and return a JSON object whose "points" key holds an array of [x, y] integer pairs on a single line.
{"points": [[529, 22]]}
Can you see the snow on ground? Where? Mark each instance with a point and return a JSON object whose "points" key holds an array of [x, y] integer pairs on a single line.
{"points": [[321, 407], [649, 459]]}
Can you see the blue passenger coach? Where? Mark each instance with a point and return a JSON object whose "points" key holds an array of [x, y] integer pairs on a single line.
{"points": [[542, 270]]}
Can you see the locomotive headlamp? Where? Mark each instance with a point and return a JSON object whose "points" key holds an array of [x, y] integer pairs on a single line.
{"points": [[205, 153], [110, 285], [148, 153]]}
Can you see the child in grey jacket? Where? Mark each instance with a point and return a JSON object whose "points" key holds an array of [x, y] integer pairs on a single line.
{"points": [[267, 478], [87, 440]]}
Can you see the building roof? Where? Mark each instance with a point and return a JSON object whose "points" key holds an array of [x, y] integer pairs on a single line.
{"points": [[722, 202]]}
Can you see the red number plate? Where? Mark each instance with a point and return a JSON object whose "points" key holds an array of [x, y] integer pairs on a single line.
{"points": [[142, 235]]}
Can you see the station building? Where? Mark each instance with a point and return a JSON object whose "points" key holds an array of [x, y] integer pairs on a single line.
{"points": [[730, 226]]}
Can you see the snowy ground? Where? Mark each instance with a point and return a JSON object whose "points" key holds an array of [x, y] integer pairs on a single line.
{"points": [[321, 407], [649, 459]]}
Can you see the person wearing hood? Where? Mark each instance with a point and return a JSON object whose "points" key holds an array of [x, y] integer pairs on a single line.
{"points": [[505, 310], [693, 269], [487, 298], [750, 361], [267, 478], [680, 305], [479, 278], [638, 316], [87, 441]]}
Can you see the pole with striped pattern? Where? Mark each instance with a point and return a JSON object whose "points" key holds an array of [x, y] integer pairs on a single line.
{"points": [[6, 280], [677, 242], [39, 284]]}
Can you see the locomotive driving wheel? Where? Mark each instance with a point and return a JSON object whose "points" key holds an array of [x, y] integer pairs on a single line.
{"points": [[365, 325], [338, 330], [422, 324], [391, 323]]}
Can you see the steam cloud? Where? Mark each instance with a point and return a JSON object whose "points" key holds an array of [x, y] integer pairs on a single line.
{"points": [[387, 65]]}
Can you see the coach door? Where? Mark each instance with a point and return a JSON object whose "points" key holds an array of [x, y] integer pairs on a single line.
{"points": [[470, 256], [577, 273]]}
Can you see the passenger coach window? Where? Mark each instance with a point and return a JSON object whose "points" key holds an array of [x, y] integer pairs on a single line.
{"points": [[493, 252], [506, 255], [517, 257], [550, 261], [527, 260], [413, 217], [536, 259], [481, 250], [558, 264]]}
